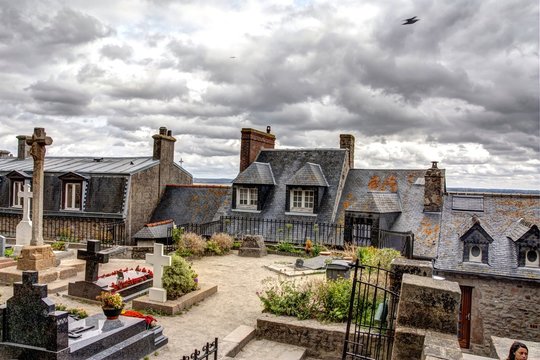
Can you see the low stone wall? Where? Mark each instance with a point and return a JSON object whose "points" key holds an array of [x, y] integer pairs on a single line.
{"points": [[324, 341]]}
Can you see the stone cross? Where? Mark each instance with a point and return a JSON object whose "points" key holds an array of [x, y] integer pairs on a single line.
{"points": [[38, 141], [26, 195], [93, 258], [158, 261]]}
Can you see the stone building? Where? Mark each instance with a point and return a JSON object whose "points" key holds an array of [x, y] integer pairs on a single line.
{"points": [[489, 244], [96, 197]]}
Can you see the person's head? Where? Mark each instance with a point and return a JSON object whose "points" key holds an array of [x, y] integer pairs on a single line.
{"points": [[518, 351]]}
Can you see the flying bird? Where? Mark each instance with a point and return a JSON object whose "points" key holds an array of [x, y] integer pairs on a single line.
{"points": [[410, 21]]}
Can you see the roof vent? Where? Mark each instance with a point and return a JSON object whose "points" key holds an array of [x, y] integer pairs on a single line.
{"points": [[98, 159]]}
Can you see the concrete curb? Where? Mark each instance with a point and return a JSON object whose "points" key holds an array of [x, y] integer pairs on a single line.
{"points": [[235, 341]]}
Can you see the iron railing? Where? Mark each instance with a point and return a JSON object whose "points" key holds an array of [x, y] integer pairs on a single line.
{"points": [[207, 350]]}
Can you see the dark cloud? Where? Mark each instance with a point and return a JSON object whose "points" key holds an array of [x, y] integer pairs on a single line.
{"points": [[57, 99]]}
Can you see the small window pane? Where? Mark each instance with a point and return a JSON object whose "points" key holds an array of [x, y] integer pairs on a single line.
{"points": [[532, 256]]}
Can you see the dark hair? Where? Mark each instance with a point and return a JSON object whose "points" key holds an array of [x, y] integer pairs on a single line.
{"points": [[515, 347]]}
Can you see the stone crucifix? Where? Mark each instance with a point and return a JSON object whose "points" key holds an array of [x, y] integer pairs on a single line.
{"points": [[38, 141], [158, 261], [93, 257], [26, 195]]}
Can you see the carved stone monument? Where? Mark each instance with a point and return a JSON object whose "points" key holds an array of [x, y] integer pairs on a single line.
{"points": [[88, 288], [23, 232], [253, 246], [158, 261], [37, 256]]}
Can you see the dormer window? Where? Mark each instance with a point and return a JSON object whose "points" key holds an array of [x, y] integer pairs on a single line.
{"points": [[532, 258], [476, 240], [16, 200], [72, 196], [247, 198], [302, 200], [73, 190]]}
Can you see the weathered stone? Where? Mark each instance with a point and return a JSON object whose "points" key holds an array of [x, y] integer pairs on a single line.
{"points": [[408, 343], [253, 246], [402, 266], [40, 257], [441, 346]]}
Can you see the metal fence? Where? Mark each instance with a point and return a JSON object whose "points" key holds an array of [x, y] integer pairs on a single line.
{"points": [[110, 232], [297, 232], [207, 350]]}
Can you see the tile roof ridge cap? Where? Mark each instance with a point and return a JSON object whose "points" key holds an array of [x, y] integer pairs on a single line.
{"points": [[157, 223], [198, 186]]}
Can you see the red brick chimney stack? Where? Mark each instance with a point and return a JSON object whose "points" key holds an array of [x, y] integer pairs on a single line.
{"points": [[252, 142]]}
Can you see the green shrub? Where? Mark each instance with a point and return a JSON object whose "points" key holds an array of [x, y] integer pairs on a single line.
{"points": [[212, 247], [8, 252], [372, 256], [179, 279], [191, 244], [224, 241], [286, 247], [333, 297], [237, 245], [58, 246]]}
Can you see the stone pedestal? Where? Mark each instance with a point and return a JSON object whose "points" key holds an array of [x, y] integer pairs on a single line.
{"points": [[40, 257], [253, 246], [157, 294]]}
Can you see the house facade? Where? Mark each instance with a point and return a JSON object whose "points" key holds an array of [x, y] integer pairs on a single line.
{"points": [[87, 197]]}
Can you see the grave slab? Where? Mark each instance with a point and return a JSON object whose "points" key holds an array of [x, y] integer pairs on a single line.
{"points": [[172, 307], [291, 270]]}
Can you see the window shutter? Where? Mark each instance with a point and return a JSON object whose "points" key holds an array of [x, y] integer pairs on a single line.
{"points": [[485, 254], [233, 205], [288, 199], [466, 248], [521, 256]]}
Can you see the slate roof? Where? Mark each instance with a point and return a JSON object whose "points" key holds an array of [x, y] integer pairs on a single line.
{"points": [[257, 174], [191, 203], [84, 165], [308, 175], [285, 163], [394, 191], [157, 230], [505, 218]]}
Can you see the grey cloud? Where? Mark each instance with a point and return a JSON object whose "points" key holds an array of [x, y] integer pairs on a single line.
{"points": [[121, 52], [58, 99]]}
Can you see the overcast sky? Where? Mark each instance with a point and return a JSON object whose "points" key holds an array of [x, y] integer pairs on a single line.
{"points": [[460, 86]]}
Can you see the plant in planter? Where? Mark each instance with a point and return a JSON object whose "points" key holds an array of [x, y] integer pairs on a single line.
{"points": [[179, 279], [111, 303]]}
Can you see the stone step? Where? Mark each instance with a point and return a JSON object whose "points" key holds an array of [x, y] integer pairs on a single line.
{"points": [[270, 350], [475, 357]]}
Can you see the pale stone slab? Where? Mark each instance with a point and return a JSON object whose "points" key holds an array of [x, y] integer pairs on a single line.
{"points": [[23, 231], [157, 294]]}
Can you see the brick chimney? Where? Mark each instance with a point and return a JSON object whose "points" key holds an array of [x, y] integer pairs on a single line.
{"points": [[23, 150], [433, 189], [164, 152], [252, 142], [346, 141]]}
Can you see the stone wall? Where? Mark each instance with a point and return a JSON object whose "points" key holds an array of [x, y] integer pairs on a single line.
{"points": [[321, 340], [143, 199], [503, 308]]}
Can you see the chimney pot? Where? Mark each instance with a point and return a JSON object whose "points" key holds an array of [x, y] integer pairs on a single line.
{"points": [[169, 132], [434, 164], [346, 141], [163, 130]]}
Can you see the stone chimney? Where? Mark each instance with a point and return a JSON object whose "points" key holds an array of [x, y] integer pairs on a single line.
{"points": [[433, 189], [346, 141], [5, 154], [164, 152], [23, 149], [252, 142]]}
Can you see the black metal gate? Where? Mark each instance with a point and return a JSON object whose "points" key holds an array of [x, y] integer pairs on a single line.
{"points": [[372, 310]]}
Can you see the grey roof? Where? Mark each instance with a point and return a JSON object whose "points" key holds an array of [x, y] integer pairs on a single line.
{"points": [[394, 191], [155, 230], [196, 204], [504, 217], [257, 174], [285, 164], [88, 165], [308, 175], [518, 229]]}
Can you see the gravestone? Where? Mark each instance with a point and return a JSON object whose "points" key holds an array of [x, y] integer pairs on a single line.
{"points": [[23, 232], [30, 322], [93, 256], [158, 261], [2, 246], [253, 246], [32, 329], [37, 256]]}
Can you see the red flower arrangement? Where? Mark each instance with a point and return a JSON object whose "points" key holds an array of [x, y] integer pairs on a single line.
{"points": [[121, 284]]}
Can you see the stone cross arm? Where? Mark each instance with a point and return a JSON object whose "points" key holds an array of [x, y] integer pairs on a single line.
{"points": [[158, 261]]}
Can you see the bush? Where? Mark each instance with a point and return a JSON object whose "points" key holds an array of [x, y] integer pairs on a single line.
{"points": [[326, 301], [224, 241], [212, 247], [191, 244], [179, 279], [372, 256], [58, 246]]}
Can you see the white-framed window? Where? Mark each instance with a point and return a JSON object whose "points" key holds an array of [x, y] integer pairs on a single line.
{"points": [[72, 196], [16, 200], [247, 198], [475, 254], [302, 200], [532, 258]]}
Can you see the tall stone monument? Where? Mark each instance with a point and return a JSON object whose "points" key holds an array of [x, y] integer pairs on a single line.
{"points": [[37, 256], [23, 232], [158, 261]]}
